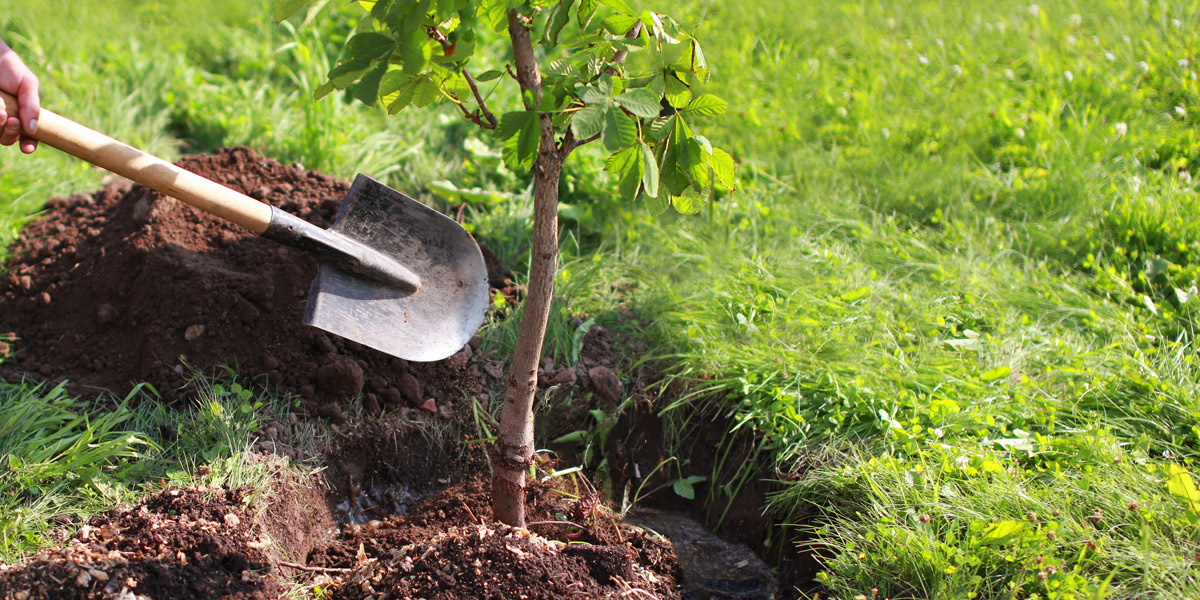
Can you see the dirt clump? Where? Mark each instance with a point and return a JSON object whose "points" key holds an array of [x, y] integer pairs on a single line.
{"points": [[177, 543], [125, 285]]}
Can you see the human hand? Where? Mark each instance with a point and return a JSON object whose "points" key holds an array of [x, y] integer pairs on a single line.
{"points": [[18, 80]]}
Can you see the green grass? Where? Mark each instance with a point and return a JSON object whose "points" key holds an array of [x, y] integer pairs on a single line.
{"points": [[964, 257]]}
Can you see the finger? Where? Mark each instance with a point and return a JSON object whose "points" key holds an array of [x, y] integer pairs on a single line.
{"points": [[30, 106], [28, 144], [11, 131]]}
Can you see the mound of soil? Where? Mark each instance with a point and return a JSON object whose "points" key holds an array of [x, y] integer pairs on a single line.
{"points": [[125, 285], [178, 543]]}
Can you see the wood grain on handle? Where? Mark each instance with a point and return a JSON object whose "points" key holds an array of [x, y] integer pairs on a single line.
{"points": [[150, 171]]}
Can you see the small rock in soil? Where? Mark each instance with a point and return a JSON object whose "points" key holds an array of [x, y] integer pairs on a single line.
{"points": [[460, 358], [606, 383], [564, 376], [106, 313], [341, 377], [193, 332], [410, 388], [429, 406], [332, 412]]}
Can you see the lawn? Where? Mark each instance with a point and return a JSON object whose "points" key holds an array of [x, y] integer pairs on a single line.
{"points": [[952, 305]]}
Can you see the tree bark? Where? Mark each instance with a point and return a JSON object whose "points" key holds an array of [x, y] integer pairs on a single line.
{"points": [[513, 451]]}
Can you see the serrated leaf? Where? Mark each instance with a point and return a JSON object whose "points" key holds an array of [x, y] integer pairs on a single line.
{"points": [[528, 140], [347, 73], [620, 24], [426, 91], [283, 9], [687, 204], [589, 120], [560, 15], [649, 171], [402, 96], [415, 53], [587, 9], [591, 95], [724, 168], [619, 6], [620, 130], [706, 105], [675, 90], [367, 90], [661, 127], [512, 122], [656, 206], [641, 102], [369, 45], [488, 75], [627, 166], [323, 90]]}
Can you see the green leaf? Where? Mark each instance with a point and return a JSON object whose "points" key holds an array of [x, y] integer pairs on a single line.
{"points": [[856, 294], [620, 24], [688, 204], [619, 6], [620, 130], [723, 167], [641, 102], [675, 90], [323, 90], [587, 9], [282, 9], [397, 90], [512, 122], [367, 89], [1181, 485], [706, 105], [347, 73], [488, 75], [627, 165], [589, 120], [649, 171], [426, 91], [521, 150], [661, 127], [685, 487], [370, 45], [996, 373], [560, 15], [1001, 532], [415, 53]]}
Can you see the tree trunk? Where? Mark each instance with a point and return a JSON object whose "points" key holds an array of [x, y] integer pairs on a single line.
{"points": [[513, 452]]}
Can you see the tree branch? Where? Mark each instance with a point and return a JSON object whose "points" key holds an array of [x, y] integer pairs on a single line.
{"points": [[484, 112]]}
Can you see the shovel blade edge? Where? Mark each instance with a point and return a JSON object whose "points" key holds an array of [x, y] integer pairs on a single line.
{"points": [[427, 325]]}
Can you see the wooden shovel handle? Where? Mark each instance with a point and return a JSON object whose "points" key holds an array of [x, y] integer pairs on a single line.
{"points": [[150, 171]]}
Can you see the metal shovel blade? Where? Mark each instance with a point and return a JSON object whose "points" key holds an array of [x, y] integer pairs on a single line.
{"points": [[430, 324]]}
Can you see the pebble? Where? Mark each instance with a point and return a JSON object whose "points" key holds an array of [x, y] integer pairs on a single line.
{"points": [[606, 383]]}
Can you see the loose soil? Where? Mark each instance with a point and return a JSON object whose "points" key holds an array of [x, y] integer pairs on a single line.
{"points": [[124, 286]]}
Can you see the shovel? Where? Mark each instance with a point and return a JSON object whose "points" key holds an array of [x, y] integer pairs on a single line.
{"points": [[394, 274]]}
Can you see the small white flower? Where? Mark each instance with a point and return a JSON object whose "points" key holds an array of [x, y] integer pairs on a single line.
{"points": [[1071, 40], [1120, 128], [1183, 63], [1069, 76], [921, 59], [841, 111], [1135, 182], [887, 133], [1143, 67], [956, 70], [1177, 22], [1181, 111], [1075, 20], [1033, 10], [1008, 74], [1110, 56], [938, 433], [890, 23], [1020, 133], [940, 43], [1001, 27], [962, 462]]}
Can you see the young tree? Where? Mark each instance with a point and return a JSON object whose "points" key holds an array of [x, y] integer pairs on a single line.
{"points": [[588, 71]]}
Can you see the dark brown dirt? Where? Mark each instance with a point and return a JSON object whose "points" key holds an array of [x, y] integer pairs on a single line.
{"points": [[125, 285], [448, 547], [174, 544]]}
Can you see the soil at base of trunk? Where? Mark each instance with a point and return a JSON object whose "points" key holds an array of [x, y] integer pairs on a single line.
{"points": [[126, 285]]}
